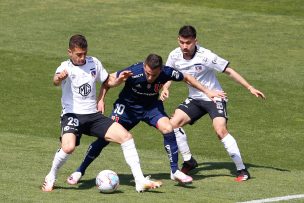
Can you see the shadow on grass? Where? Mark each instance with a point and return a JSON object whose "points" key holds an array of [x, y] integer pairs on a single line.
{"points": [[127, 179], [209, 166], [124, 179]]}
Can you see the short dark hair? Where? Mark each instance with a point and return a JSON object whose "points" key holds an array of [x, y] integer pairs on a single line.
{"points": [[78, 41], [154, 61], [187, 31]]}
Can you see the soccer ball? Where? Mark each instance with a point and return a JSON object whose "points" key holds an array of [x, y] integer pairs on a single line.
{"points": [[107, 181]]}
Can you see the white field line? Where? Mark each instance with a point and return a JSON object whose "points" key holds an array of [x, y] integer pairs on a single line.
{"points": [[276, 199]]}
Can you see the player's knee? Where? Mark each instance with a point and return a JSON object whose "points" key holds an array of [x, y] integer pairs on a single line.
{"points": [[126, 136], [68, 148], [221, 132], [166, 129]]}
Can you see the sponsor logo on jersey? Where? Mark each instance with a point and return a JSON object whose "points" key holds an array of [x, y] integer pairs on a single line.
{"points": [[138, 75], [219, 105], [66, 128], [168, 149], [85, 89]]}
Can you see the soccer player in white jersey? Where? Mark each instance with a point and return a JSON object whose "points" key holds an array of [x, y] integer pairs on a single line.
{"points": [[78, 77], [203, 64]]}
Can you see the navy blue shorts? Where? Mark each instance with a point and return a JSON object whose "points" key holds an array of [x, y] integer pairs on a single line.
{"points": [[94, 124], [129, 117]]}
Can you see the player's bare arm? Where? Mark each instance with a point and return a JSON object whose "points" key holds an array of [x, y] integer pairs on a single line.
{"points": [[165, 91], [58, 77], [189, 79], [114, 81], [100, 101], [239, 79]]}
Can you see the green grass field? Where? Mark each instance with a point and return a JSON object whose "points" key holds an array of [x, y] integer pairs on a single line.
{"points": [[263, 39]]}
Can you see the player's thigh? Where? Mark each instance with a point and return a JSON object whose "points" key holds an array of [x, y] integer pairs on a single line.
{"points": [[156, 116], [179, 118], [117, 133], [70, 132], [188, 112]]}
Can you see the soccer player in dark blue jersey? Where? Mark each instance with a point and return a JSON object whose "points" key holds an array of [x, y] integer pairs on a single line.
{"points": [[138, 101]]}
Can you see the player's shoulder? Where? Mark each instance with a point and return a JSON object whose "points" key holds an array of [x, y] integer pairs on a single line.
{"points": [[176, 53], [136, 67], [202, 50]]}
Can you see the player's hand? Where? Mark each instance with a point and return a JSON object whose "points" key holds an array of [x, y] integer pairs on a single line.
{"points": [[101, 106], [256, 92], [124, 75], [164, 94], [62, 75], [213, 94]]}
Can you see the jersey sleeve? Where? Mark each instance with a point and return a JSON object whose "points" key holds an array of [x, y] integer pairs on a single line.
{"points": [[173, 74], [102, 72], [170, 61], [118, 72], [60, 68], [216, 62]]}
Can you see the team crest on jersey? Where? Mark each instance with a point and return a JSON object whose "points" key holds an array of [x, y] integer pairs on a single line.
{"points": [[148, 86], [157, 87], [198, 68], [93, 72], [214, 60]]}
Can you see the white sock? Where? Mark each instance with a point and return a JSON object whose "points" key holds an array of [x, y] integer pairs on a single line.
{"points": [[132, 158], [182, 143], [59, 159], [233, 151]]}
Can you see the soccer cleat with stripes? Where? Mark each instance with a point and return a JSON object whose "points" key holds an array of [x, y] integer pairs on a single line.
{"points": [[74, 178], [242, 175], [189, 165], [48, 184], [181, 177], [147, 184]]}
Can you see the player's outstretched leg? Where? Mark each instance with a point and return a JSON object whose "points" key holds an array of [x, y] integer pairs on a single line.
{"points": [[189, 165], [92, 153], [183, 147], [49, 181], [132, 159], [172, 151], [233, 150], [147, 184]]}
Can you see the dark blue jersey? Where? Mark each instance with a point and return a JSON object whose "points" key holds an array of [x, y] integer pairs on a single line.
{"points": [[138, 92]]}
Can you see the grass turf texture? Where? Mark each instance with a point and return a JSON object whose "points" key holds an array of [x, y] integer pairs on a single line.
{"points": [[262, 39]]}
